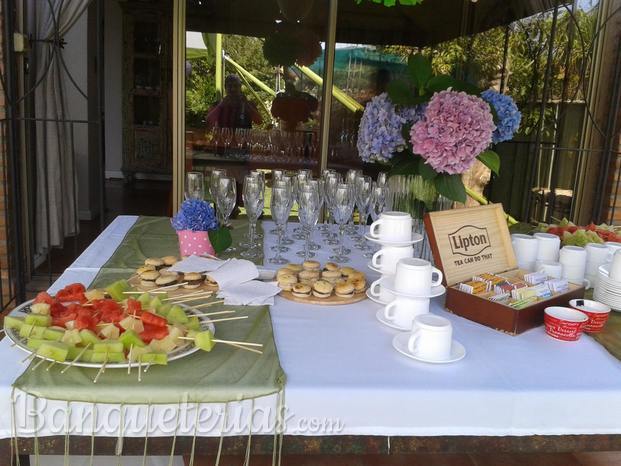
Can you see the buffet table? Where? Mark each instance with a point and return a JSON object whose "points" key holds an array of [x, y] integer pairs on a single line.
{"points": [[349, 391]]}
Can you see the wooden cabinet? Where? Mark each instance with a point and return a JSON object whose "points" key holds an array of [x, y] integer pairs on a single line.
{"points": [[147, 74]]}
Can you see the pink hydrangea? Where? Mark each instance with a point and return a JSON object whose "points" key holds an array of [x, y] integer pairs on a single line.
{"points": [[456, 128]]}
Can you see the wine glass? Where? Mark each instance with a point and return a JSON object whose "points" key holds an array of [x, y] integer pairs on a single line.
{"points": [[194, 185], [342, 208], [254, 201], [280, 206], [364, 189], [214, 176], [332, 180], [350, 178], [226, 196], [298, 180], [382, 179], [283, 242], [308, 200]]}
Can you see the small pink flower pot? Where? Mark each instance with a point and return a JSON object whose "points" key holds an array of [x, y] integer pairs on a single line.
{"points": [[195, 242]]}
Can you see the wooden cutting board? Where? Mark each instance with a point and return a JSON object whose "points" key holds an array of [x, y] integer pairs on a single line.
{"points": [[330, 301]]}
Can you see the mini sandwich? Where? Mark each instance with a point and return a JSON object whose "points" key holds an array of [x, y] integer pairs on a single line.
{"points": [[194, 280], [308, 276], [169, 260], [311, 265], [347, 271], [301, 290], [144, 268], [356, 276], [284, 271], [168, 279], [330, 276], [344, 290], [147, 278], [293, 267], [210, 281], [286, 282], [331, 266], [322, 289], [155, 262], [359, 284]]}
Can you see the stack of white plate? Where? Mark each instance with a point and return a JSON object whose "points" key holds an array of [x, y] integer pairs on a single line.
{"points": [[607, 291]]}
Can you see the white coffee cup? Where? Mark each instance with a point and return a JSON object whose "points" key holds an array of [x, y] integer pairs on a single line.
{"points": [[402, 311], [379, 290], [551, 269], [573, 260], [612, 248], [415, 276], [431, 337], [615, 267], [392, 227], [526, 248], [548, 246], [386, 258], [597, 254]]}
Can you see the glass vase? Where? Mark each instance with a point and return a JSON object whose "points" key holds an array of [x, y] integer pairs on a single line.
{"points": [[415, 195]]}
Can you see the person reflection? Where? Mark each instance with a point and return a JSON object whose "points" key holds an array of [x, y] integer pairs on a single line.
{"points": [[235, 110]]}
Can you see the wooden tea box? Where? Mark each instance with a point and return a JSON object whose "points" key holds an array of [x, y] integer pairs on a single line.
{"points": [[469, 242]]}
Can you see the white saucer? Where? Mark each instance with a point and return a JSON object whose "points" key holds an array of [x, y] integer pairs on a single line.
{"points": [[388, 282], [375, 299], [375, 269], [389, 323], [400, 343], [416, 238]]}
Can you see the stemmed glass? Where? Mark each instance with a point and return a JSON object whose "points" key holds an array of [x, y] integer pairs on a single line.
{"points": [[332, 180], [379, 198], [195, 185], [215, 175], [342, 209], [364, 190], [280, 206], [382, 179], [298, 180], [308, 200], [350, 178], [226, 197], [254, 201]]}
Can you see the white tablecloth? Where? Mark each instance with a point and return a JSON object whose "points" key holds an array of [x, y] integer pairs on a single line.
{"points": [[343, 377]]}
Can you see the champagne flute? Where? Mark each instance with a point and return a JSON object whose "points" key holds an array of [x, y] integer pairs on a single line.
{"points": [[214, 176], [382, 179], [226, 198], [342, 209], [331, 182], [254, 201], [194, 185], [308, 199], [350, 178], [364, 189], [280, 207]]}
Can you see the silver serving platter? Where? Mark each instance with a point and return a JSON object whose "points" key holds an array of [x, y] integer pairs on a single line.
{"points": [[178, 353]]}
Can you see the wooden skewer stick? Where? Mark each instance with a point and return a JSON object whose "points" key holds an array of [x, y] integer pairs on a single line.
{"points": [[30, 356], [174, 285], [129, 359], [245, 348], [156, 291], [208, 304], [147, 368], [207, 314], [41, 361], [230, 342], [228, 318], [77, 358], [102, 369], [140, 369], [194, 298], [50, 366], [170, 298]]}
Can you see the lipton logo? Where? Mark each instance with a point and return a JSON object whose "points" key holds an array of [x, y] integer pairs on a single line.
{"points": [[469, 240]]}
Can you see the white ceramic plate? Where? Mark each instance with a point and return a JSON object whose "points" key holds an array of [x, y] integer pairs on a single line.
{"points": [[388, 282], [389, 323], [416, 238], [177, 353], [400, 343]]}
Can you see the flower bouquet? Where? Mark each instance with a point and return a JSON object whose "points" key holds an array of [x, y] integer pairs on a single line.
{"points": [[436, 127], [198, 229]]}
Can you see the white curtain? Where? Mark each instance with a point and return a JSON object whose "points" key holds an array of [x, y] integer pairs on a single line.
{"points": [[56, 183]]}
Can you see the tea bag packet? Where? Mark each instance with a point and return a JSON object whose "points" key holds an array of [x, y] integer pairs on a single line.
{"points": [[500, 297], [504, 287], [535, 278], [522, 303], [558, 285], [524, 293], [473, 287]]}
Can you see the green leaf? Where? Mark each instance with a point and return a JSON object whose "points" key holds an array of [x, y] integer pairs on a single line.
{"points": [[419, 68], [491, 160], [451, 186], [425, 170], [466, 87], [400, 93], [440, 83], [405, 167], [220, 239]]}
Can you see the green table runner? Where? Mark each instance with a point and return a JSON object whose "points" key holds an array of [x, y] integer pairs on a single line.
{"points": [[224, 374], [610, 337]]}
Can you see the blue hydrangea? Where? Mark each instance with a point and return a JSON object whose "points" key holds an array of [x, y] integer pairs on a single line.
{"points": [[508, 115], [413, 114], [195, 215], [379, 134]]}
